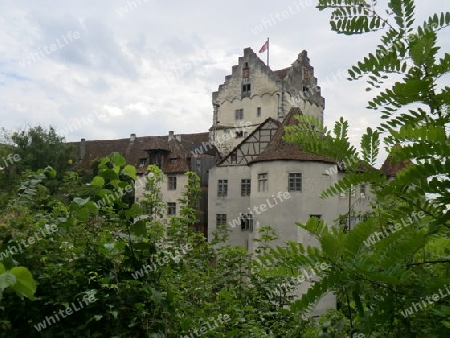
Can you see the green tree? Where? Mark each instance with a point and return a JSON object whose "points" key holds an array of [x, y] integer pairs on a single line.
{"points": [[376, 283], [39, 148]]}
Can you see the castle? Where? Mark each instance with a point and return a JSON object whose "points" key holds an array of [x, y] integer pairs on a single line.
{"points": [[250, 177], [248, 174]]}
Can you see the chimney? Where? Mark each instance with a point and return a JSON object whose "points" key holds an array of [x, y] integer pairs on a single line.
{"points": [[171, 135], [132, 138], [82, 148]]}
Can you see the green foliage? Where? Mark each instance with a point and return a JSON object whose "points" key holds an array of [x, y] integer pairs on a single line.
{"points": [[39, 147], [18, 279], [394, 258], [147, 279]]}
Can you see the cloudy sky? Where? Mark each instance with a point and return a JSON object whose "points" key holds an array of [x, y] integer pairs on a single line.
{"points": [[106, 68]]}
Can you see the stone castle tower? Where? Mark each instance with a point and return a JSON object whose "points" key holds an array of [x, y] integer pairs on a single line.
{"points": [[253, 92]]}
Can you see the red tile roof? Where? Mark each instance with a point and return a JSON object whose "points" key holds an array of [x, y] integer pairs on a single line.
{"points": [[134, 152], [278, 149], [391, 167], [281, 73]]}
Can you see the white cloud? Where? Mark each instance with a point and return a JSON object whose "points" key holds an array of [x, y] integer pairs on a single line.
{"points": [[153, 68]]}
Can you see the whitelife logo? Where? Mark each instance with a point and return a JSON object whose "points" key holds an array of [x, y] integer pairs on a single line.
{"points": [[162, 261], [87, 299], [50, 49], [49, 230], [297, 7], [211, 325], [130, 6], [416, 306], [263, 207], [378, 236], [11, 159]]}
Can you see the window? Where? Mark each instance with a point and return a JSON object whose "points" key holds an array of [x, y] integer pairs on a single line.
{"points": [[246, 222], [262, 182], [305, 90], [173, 160], [239, 134], [172, 183], [295, 182], [245, 71], [305, 74], [246, 89], [222, 188], [362, 191], [344, 194], [221, 219], [239, 114], [245, 187], [142, 162], [233, 158], [171, 209], [258, 112], [315, 216]]}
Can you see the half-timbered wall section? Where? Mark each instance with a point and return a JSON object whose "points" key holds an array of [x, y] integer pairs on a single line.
{"points": [[253, 145]]}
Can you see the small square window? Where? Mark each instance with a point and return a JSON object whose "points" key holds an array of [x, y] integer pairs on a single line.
{"points": [[173, 160], [221, 219], [239, 134], [171, 208], [258, 112], [295, 182], [172, 183], [142, 162], [239, 114]]}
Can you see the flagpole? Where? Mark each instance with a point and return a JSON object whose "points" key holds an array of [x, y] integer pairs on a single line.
{"points": [[267, 52]]}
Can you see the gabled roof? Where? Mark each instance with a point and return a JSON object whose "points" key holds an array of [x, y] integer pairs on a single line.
{"points": [[391, 167], [278, 149], [137, 150], [263, 125], [281, 73]]}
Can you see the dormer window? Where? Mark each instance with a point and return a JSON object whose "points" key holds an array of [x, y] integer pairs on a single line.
{"points": [[173, 160]]}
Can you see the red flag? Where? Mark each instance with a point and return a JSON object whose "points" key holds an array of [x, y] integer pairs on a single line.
{"points": [[264, 47]]}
